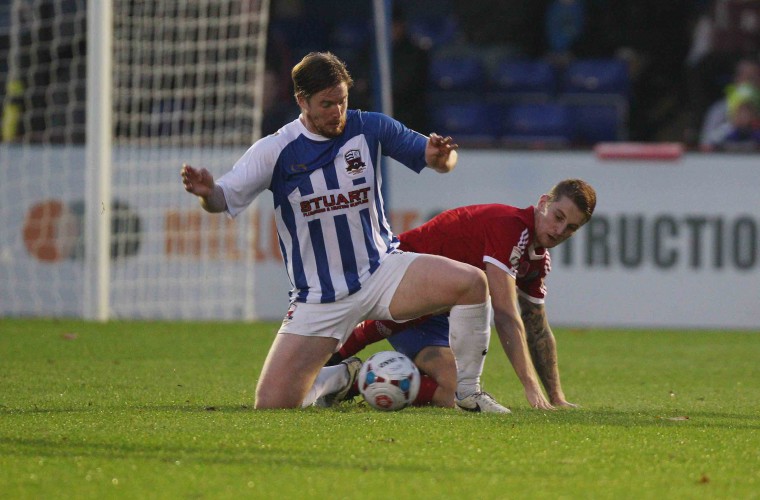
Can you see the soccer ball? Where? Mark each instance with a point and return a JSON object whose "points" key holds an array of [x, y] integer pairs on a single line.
{"points": [[389, 381]]}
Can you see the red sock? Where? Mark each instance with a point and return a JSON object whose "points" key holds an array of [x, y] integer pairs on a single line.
{"points": [[362, 336], [371, 331], [428, 385]]}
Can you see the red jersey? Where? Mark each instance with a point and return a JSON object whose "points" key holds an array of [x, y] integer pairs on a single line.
{"points": [[476, 234]]}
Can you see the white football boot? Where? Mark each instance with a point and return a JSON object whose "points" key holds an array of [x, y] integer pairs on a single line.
{"points": [[481, 402], [353, 365]]}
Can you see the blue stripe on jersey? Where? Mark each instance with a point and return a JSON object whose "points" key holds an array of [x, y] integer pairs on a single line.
{"points": [[299, 276], [305, 187], [347, 254], [323, 265], [374, 255], [331, 176], [360, 180], [289, 170]]}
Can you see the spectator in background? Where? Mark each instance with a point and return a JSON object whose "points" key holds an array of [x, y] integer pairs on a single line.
{"points": [[276, 110], [742, 131], [410, 75], [565, 23], [410, 64], [727, 31], [653, 37], [747, 72], [278, 104]]}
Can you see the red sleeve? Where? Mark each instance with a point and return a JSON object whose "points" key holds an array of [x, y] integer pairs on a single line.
{"points": [[506, 240]]}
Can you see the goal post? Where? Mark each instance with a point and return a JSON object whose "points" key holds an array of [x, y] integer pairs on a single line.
{"points": [[98, 117], [99, 124]]}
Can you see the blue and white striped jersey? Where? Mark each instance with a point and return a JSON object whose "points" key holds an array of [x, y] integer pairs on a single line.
{"points": [[329, 211]]}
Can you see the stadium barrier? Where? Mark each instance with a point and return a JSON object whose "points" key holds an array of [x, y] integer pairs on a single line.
{"points": [[672, 243]]}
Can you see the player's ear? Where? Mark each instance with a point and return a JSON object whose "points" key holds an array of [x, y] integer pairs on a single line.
{"points": [[543, 202], [301, 101]]}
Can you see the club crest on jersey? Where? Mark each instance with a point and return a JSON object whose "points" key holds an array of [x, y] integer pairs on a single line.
{"points": [[289, 315], [522, 271], [354, 163]]}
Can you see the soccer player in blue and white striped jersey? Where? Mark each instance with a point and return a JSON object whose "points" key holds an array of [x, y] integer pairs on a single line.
{"points": [[340, 253]]}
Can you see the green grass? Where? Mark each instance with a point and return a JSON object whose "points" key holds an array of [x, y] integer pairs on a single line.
{"points": [[163, 410]]}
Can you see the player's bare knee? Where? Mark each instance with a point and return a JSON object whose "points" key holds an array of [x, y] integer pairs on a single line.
{"points": [[270, 400], [262, 401], [267, 396], [476, 291]]}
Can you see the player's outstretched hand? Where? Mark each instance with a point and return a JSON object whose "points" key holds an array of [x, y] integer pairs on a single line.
{"points": [[538, 401], [440, 153], [199, 182]]}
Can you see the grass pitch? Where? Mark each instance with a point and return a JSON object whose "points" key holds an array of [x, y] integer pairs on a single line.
{"points": [[163, 410]]}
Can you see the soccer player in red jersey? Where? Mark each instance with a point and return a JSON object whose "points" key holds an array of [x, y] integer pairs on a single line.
{"points": [[512, 246]]}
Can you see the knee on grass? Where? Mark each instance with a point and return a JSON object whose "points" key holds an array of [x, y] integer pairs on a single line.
{"points": [[275, 400]]}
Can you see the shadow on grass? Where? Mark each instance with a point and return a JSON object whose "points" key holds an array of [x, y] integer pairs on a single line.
{"points": [[185, 408], [250, 455], [64, 448], [587, 417], [645, 418]]}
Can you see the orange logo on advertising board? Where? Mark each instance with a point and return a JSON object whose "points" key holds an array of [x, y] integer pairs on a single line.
{"points": [[54, 230], [51, 231]]}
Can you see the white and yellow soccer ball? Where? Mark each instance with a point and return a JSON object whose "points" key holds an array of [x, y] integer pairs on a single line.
{"points": [[389, 381]]}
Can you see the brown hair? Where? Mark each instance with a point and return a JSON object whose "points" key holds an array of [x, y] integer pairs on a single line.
{"points": [[580, 192], [318, 71]]}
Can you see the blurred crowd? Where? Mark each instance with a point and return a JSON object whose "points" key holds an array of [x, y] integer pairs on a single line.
{"points": [[691, 68], [692, 65]]}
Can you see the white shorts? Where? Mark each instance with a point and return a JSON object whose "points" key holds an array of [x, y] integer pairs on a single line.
{"points": [[338, 319]]}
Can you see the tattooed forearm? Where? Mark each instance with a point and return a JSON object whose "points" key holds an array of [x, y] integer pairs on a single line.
{"points": [[543, 348]]}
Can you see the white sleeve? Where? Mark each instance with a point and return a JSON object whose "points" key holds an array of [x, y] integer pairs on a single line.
{"points": [[250, 175]]}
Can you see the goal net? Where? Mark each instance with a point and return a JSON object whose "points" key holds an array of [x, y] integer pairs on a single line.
{"points": [[187, 82]]}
